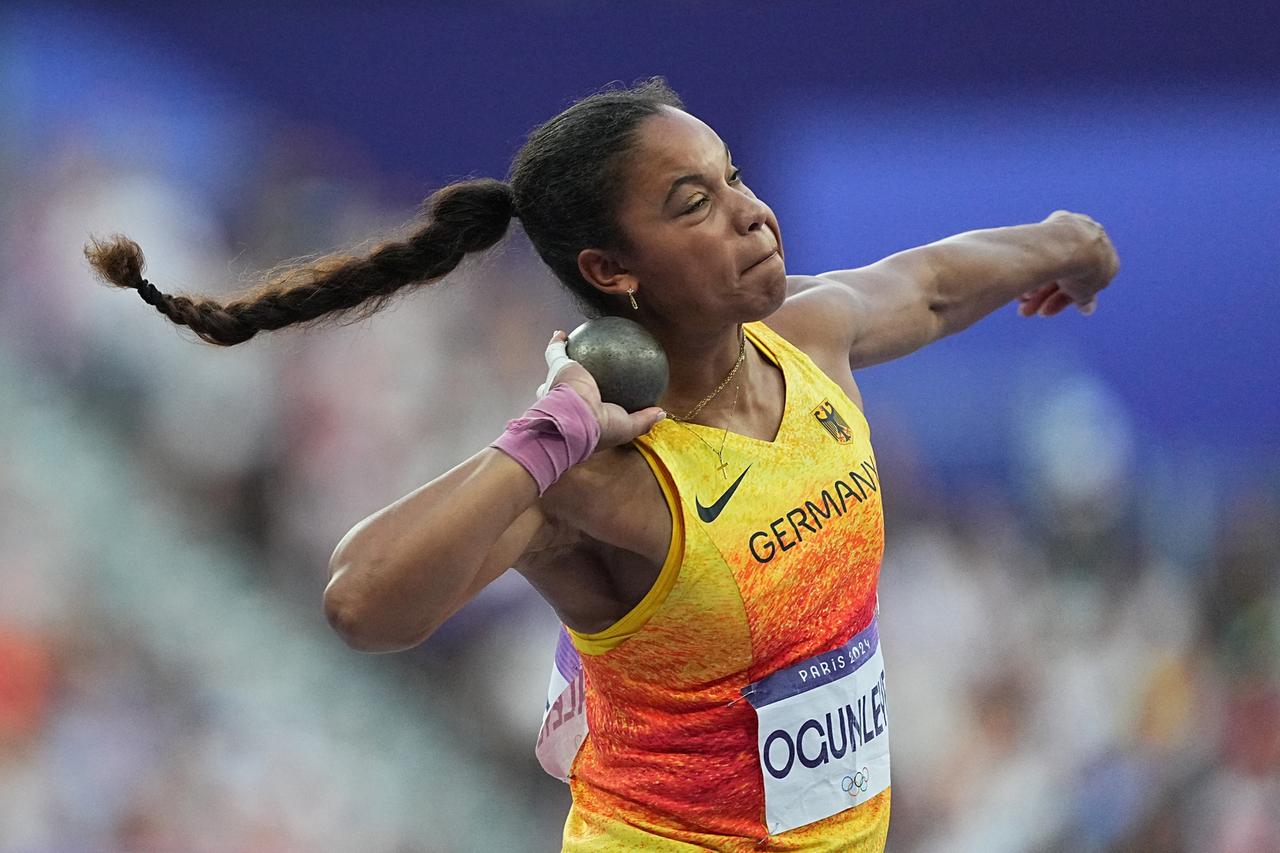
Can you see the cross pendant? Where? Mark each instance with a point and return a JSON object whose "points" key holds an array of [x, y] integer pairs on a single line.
{"points": [[723, 465]]}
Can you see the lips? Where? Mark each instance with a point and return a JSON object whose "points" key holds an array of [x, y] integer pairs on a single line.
{"points": [[762, 259]]}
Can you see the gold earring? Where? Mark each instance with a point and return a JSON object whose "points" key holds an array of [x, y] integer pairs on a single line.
{"points": [[631, 296]]}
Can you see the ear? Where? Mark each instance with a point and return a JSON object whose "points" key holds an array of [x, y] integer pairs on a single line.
{"points": [[605, 272]]}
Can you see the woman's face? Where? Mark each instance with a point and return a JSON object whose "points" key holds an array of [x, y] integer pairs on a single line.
{"points": [[700, 242]]}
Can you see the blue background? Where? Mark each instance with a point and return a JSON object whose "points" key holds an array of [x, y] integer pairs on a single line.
{"points": [[868, 133]]}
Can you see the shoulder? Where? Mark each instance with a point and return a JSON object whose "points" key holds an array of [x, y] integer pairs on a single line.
{"points": [[820, 318], [817, 315], [610, 498]]}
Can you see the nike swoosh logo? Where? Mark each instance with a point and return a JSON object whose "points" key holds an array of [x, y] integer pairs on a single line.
{"points": [[711, 513]]}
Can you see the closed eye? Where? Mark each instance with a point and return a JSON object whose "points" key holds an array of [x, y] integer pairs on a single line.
{"points": [[734, 178]]}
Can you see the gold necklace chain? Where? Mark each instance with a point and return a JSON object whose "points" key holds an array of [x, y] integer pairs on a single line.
{"points": [[737, 389], [742, 353]]}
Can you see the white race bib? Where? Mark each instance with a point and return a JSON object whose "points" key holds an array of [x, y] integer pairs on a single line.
{"points": [[823, 733], [564, 722]]}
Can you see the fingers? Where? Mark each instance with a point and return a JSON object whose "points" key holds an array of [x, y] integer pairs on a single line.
{"points": [[1054, 304], [1050, 300], [1032, 301], [556, 359], [555, 353]]}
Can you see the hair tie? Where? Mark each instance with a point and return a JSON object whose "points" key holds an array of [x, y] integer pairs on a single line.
{"points": [[511, 197]]}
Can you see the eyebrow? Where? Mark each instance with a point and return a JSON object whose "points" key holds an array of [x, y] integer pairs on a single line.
{"points": [[688, 179]]}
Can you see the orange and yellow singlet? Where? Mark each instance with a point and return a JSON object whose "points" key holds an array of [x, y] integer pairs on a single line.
{"points": [[741, 704]]}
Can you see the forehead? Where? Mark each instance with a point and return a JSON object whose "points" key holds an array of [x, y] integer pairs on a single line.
{"points": [[673, 143]]}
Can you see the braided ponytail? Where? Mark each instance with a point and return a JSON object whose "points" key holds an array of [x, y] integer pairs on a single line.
{"points": [[464, 217], [566, 183]]}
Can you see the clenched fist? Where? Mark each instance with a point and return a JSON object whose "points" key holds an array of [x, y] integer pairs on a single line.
{"points": [[1099, 264]]}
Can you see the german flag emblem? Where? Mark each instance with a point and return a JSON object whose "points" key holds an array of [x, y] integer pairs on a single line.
{"points": [[832, 422]]}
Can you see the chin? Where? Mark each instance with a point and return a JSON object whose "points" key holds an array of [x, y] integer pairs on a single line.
{"points": [[771, 298]]}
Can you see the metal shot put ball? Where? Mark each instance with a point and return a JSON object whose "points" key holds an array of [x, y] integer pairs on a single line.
{"points": [[627, 363]]}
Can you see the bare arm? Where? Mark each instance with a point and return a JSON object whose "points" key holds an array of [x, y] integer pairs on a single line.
{"points": [[912, 298], [398, 574]]}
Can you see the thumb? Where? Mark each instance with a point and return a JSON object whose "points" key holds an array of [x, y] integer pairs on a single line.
{"points": [[618, 426], [644, 419]]}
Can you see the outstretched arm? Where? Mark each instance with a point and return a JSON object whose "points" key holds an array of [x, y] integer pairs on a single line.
{"points": [[897, 305]]}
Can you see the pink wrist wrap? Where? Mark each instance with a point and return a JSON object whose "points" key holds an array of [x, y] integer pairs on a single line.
{"points": [[559, 430]]}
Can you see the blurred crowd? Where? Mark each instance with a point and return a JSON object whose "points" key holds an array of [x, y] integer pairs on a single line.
{"points": [[1078, 661]]}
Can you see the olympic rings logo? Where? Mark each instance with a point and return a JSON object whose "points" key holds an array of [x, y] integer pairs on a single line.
{"points": [[860, 780]]}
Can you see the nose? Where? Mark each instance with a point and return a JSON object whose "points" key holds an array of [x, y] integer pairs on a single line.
{"points": [[752, 213]]}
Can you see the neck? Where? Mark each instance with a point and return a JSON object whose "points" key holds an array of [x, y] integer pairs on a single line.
{"points": [[698, 363]]}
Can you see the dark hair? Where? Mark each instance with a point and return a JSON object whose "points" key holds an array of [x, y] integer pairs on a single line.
{"points": [[564, 187]]}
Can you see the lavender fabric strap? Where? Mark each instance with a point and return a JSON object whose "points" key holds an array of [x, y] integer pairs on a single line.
{"points": [[559, 430]]}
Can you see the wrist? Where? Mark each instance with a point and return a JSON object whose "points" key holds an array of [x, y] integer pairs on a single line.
{"points": [[557, 432], [523, 487], [1083, 243]]}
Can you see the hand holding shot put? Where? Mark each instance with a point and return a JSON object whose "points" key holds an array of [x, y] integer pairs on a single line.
{"points": [[617, 425]]}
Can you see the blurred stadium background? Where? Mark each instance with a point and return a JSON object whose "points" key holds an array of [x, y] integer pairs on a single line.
{"points": [[1081, 611]]}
